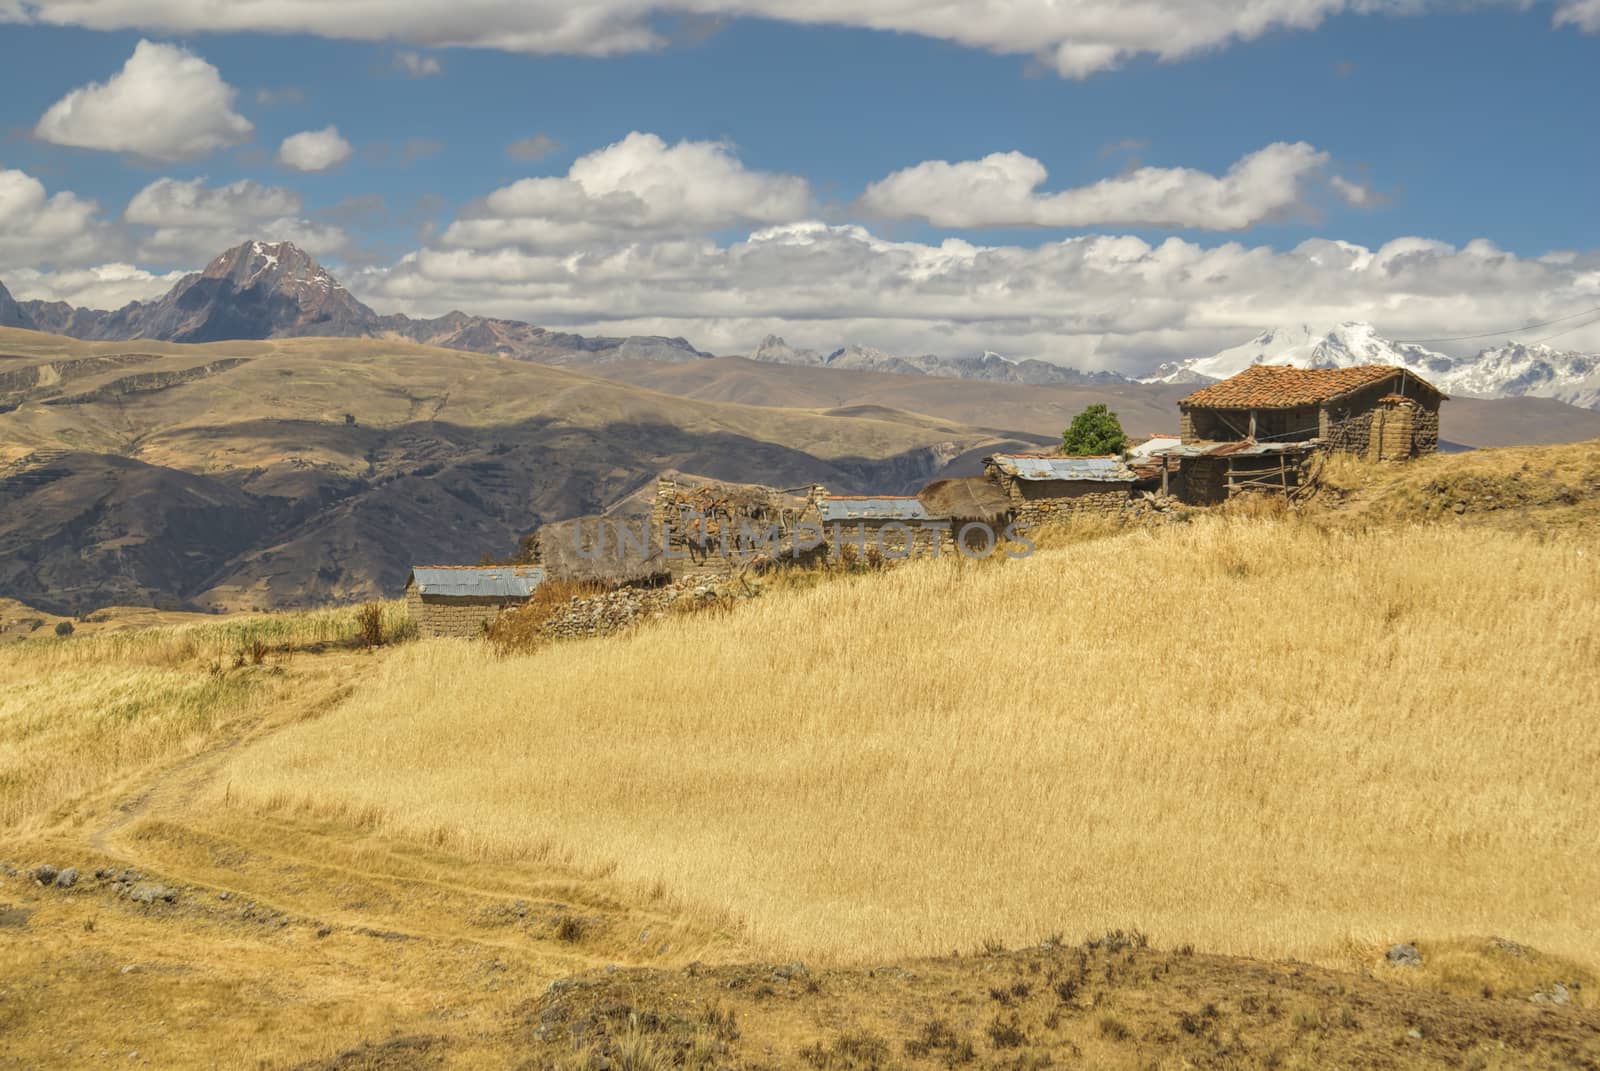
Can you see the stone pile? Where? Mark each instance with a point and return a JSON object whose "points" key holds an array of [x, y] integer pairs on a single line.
{"points": [[597, 615]]}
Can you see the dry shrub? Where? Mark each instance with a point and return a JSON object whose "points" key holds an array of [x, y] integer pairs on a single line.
{"points": [[369, 624], [521, 628]]}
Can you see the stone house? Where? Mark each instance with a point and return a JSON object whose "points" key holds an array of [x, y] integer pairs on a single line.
{"points": [[1380, 412], [1049, 487], [461, 600], [898, 526]]}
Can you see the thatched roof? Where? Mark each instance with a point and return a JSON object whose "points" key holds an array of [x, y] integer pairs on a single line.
{"points": [[971, 498], [568, 550]]}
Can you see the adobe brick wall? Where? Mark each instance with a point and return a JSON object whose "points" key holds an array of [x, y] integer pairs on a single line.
{"points": [[463, 618]]}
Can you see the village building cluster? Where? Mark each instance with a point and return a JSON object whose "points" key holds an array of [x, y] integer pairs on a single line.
{"points": [[1264, 430]]}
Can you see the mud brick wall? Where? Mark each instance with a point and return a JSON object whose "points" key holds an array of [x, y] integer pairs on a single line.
{"points": [[893, 541], [463, 618]]}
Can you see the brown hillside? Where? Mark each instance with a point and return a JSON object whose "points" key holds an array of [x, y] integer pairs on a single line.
{"points": [[287, 472]]}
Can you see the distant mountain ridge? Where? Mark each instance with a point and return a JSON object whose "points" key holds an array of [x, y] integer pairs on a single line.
{"points": [[260, 290], [264, 290], [1513, 370], [991, 366]]}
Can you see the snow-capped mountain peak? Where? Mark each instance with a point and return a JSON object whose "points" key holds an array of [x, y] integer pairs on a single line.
{"points": [[1510, 370], [1342, 345]]}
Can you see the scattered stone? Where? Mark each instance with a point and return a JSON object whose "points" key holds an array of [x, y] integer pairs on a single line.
{"points": [[67, 878], [44, 873], [1404, 956], [102, 873], [132, 968], [790, 970], [323, 931], [150, 892], [1415, 1034], [1557, 994], [1511, 948], [224, 894]]}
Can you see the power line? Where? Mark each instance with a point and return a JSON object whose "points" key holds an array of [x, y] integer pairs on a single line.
{"points": [[1566, 331], [1501, 334]]}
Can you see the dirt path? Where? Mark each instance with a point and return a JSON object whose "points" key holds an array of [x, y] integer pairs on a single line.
{"points": [[292, 939]]}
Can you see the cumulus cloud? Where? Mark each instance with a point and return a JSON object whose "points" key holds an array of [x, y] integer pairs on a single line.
{"points": [[190, 222], [166, 103], [40, 227], [1077, 39], [314, 150], [536, 147], [637, 186], [105, 286], [416, 65], [1001, 190], [1584, 14], [1100, 301]]}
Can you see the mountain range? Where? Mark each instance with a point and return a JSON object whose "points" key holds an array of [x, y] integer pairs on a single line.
{"points": [[260, 290], [991, 366], [1512, 370]]}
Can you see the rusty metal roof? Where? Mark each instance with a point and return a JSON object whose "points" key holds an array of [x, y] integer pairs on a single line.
{"points": [[1107, 469], [873, 508], [1280, 386], [477, 581]]}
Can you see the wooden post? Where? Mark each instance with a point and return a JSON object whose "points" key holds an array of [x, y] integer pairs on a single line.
{"points": [[1252, 423]]}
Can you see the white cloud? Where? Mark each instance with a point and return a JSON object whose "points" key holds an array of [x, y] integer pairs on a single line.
{"points": [[1001, 190], [416, 65], [106, 286], [191, 222], [166, 103], [314, 150], [1584, 14], [1076, 39], [1356, 194], [637, 186], [170, 202], [39, 227], [1100, 301], [536, 147]]}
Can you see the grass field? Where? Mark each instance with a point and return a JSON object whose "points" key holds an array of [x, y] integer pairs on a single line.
{"points": [[80, 711], [1259, 737]]}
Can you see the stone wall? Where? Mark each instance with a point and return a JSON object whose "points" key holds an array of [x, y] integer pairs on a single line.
{"points": [[1036, 502], [711, 531], [463, 618], [903, 539]]}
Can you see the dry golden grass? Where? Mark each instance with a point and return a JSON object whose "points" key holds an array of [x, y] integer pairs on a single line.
{"points": [[1260, 738], [76, 712]]}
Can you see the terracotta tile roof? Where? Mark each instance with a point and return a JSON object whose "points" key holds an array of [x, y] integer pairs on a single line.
{"points": [[1276, 386]]}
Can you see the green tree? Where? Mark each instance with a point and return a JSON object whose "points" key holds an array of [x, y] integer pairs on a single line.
{"points": [[1094, 431]]}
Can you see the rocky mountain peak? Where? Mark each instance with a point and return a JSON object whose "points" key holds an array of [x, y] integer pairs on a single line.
{"points": [[11, 314]]}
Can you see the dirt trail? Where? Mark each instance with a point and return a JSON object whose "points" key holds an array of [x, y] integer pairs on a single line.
{"points": [[322, 935]]}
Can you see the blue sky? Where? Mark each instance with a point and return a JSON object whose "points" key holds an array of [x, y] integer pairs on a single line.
{"points": [[1453, 127]]}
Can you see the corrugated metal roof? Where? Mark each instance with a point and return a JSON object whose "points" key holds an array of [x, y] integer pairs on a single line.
{"points": [[1053, 467], [870, 508], [1241, 448], [478, 581]]}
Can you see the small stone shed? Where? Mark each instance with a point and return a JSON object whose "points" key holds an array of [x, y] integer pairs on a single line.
{"points": [[461, 600], [896, 525], [1050, 487], [1381, 412]]}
